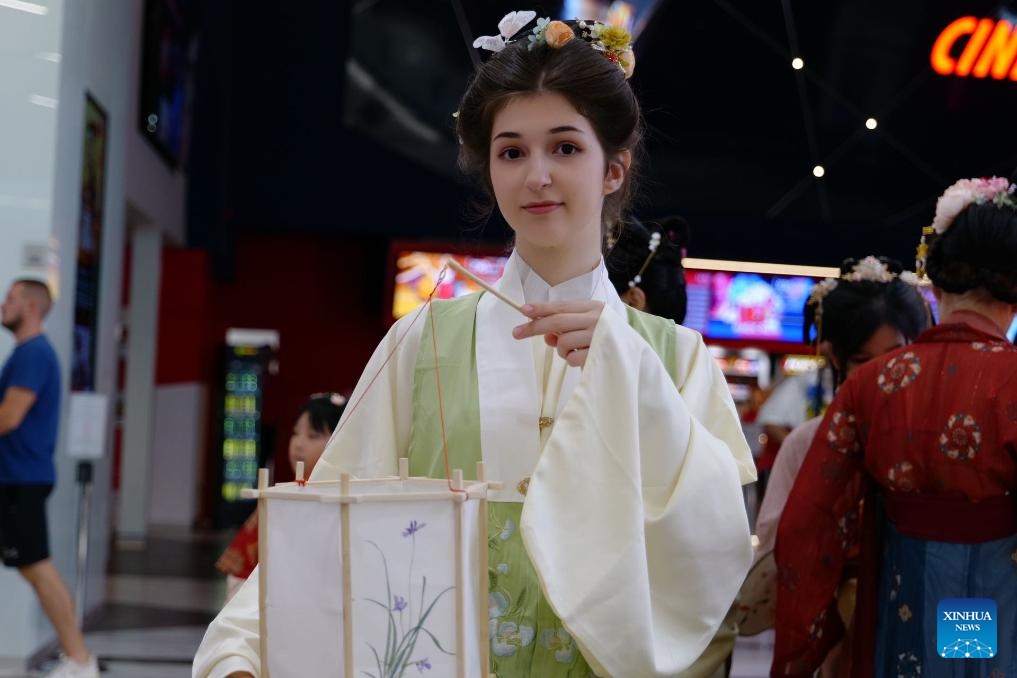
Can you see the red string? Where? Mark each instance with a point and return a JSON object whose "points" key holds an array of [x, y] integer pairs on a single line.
{"points": [[441, 405], [434, 342], [348, 414]]}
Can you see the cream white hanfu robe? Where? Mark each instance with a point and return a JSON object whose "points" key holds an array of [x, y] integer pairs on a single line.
{"points": [[633, 516]]}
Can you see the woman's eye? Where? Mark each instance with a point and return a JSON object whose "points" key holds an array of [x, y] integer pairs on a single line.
{"points": [[510, 154], [568, 149]]}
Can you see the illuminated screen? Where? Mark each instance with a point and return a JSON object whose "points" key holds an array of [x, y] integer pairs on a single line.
{"points": [[752, 306], [1011, 333], [417, 275]]}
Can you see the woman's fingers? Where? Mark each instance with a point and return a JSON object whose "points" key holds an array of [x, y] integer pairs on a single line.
{"points": [[559, 318], [566, 326]]}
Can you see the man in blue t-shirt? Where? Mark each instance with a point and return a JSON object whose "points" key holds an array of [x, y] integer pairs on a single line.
{"points": [[29, 417]]}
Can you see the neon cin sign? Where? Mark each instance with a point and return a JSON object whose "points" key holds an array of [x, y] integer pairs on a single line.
{"points": [[990, 50]]}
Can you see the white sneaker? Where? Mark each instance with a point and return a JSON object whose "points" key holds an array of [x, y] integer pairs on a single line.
{"points": [[68, 668]]}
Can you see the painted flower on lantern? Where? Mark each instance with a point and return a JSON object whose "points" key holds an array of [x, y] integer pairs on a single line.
{"points": [[961, 438], [904, 612], [405, 623], [843, 433], [899, 372]]}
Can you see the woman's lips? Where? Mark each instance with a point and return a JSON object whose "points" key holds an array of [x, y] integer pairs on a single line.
{"points": [[541, 207]]}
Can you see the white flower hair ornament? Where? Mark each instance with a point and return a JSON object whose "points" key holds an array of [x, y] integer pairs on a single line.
{"points": [[613, 42], [510, 24], [869, 269]]}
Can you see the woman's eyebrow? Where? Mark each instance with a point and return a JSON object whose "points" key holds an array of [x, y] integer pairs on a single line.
{"points": [[553, 130]]}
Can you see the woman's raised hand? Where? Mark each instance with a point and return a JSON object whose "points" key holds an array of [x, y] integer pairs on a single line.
{"points": [[566, 325]]}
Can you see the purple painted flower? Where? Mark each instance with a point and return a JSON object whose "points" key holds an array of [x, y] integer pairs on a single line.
{"points": [[398, 604], [413, 528], [423, 665]]}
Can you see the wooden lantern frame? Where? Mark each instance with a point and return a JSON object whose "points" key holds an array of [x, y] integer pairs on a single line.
{"points": [[456, 490]]}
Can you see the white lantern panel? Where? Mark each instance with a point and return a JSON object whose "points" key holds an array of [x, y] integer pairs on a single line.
{"points": [[304, 589]]}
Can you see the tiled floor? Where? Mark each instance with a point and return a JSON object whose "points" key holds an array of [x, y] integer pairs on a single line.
{"points": [[163, 596]]}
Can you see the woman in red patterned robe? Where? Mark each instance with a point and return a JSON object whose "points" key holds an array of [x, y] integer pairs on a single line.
{"points": [[915, 468]]}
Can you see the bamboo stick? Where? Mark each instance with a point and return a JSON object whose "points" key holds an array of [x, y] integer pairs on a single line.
{"points": [[461, 270], [344, 518], [457, 484], [263, 569], [484, 583], [404, 468]]}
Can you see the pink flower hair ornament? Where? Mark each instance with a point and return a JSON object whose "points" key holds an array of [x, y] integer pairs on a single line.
{"points": [[972, 191], [958, 198]]}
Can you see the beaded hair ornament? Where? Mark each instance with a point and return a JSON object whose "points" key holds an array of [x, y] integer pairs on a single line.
{"points": [[956, 199], [653, 245], [868, 269], [613, 42]]}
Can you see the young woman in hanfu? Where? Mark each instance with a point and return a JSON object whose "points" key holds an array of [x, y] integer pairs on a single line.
{"points": [[927, 436], [873, 308], [620, 539]]}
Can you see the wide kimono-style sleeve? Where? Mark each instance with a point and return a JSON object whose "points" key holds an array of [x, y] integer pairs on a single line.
{"points": [[634, 517], [373, 432], [790, 458], [705, 391], [819, 527]]}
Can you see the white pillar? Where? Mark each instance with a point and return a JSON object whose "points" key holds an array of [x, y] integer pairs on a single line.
{"points": [[139, 392]]}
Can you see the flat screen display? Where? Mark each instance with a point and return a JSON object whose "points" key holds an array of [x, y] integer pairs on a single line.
{"points": [[747, 306], [417, 274]]}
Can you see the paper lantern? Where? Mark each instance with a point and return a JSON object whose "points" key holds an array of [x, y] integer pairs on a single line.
{"points": [[382, 577]]}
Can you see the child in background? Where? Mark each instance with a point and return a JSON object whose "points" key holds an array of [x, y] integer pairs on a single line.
{"points": [[316, 419]]}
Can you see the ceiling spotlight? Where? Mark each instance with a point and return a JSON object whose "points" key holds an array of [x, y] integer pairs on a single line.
{"points": [[797, 63], [871, 123], [818, 171]]}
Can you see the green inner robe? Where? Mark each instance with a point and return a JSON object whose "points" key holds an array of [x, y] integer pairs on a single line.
{"points": [[527, 638]]}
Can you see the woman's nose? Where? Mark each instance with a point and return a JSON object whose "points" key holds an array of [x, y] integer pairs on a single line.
{"points": [[538, 175]]}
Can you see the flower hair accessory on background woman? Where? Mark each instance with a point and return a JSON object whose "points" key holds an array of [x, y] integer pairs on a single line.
{"points": [[620, 537], [927, 436]]}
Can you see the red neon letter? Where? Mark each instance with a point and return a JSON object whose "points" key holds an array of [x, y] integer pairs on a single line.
{"points": [[974, 46], [999, 52], [942, 62]]}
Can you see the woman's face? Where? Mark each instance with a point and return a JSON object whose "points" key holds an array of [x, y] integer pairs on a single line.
{"points": [[885, 339], [306, 444], [549, 173]]}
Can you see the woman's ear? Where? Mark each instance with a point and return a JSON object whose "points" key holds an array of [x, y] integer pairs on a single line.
{"points": [[617, 168], [635, 297]]}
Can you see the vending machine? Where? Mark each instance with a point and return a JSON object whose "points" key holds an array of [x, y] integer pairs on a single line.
{"points": [[245, 362]]}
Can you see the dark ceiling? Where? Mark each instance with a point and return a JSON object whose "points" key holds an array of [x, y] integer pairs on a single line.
{"points": [[335, 117]]}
